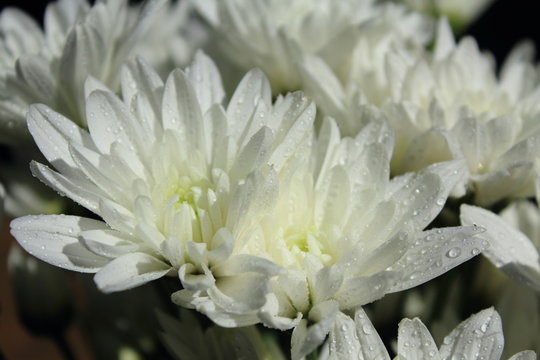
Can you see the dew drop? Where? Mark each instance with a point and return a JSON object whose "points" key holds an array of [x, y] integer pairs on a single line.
{"points": [[453, 252], [367, 329]]}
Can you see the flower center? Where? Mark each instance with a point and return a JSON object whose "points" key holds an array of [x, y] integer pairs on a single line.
{"points": [[301, 242]]}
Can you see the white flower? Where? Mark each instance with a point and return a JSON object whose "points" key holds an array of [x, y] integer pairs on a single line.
{"points": [[480, 337], [346, 235], [446, 104], [514, 239], [177, 179], [274, 35], [51, 66]]}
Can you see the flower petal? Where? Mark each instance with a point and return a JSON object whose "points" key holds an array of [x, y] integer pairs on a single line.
{"points": [[435, 252], [53, 239], [129, 271], [415, 341], [478, 337], [510, 250]]}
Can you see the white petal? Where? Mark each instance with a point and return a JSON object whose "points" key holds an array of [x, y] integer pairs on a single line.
{"points": [[109, 121], [83, 55], [415, 341], [371, 345], [53, 133], [306, 339], [343, 339], [129, 271], [107, 243], [510, 250], [435, 252], [53, 239], [34, 72], [360, 291], [445, 42], [253, 88], [243, 263], [254, 155], [92, 84], [140, 78], [299, 131], [478, 337], [524, 355], [326, 283], [206, 81], [193, 279], [181, 111], [196, 300], [240, 293], [83, 192]]}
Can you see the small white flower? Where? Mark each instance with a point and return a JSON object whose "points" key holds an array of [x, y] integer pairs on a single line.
{"points": [[514, 239], [274, 35], [480, 337], [51, 66], [177, 179]]}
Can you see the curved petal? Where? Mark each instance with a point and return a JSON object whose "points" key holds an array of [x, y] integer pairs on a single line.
{"points": [[510, 250], [54, 239], [129, 271], [478, 337]]}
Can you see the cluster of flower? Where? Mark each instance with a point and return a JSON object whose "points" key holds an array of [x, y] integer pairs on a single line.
{"points": [[303, 194]]}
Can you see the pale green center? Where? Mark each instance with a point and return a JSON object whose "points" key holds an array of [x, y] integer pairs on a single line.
{"points": [[300, 242]]}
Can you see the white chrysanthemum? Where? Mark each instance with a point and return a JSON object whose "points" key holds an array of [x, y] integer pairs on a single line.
{"points": [[346, 235], [51, 66], [480, 337], [274, 35], [178, 181], [448, 104], [514, 239]]}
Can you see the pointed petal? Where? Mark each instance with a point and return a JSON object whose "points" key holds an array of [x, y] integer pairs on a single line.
{"points": [[206, 81], [415, 341], [478, 337]]}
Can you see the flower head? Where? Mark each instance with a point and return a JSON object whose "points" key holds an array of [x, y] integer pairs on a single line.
{"points": [[443, 105], [274, 35], [51, 66], [177, 180], [345, 235]]}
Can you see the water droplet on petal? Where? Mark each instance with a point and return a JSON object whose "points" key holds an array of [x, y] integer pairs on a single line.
{"points": [[453, 252]]}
